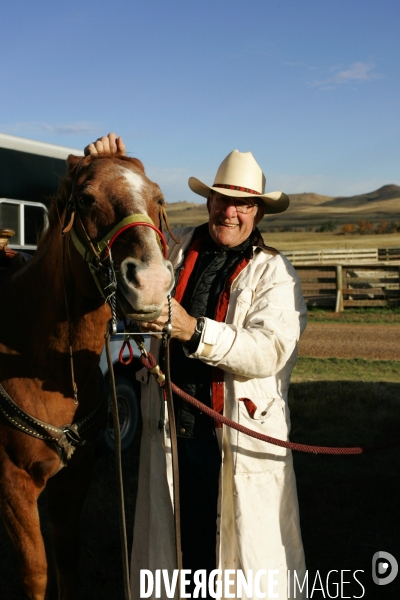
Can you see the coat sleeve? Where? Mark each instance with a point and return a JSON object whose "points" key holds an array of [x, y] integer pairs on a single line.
{"points": [[266, 323]]}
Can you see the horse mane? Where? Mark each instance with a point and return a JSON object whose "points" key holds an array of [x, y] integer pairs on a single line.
{"points": [[59, 201]]}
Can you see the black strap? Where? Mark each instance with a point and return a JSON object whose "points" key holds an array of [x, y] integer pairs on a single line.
{"points": [[65, 438]]}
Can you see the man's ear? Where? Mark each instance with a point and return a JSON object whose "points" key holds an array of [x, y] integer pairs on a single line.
{"points": [[260, 214], [209, 204]]}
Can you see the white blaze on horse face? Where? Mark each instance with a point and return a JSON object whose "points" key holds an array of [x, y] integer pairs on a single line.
{"points": [[136, 184], [145, 281]]}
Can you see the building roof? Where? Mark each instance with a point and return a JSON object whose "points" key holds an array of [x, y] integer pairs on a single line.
{"points": [[31, 170], [13, 142]]}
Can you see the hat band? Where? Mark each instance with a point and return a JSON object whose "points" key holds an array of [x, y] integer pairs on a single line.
{"points": [[237, 188]]}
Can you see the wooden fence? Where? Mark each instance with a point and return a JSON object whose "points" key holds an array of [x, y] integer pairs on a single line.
{"points": [[345, 286], [327, 256], [343, 255], [388, 254]]}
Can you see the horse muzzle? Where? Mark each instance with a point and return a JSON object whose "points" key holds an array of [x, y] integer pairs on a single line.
{"points": [[144, 287]]}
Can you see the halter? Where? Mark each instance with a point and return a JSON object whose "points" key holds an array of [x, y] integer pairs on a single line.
{"points": [[98, 257], [91, 252], [131, 221]]}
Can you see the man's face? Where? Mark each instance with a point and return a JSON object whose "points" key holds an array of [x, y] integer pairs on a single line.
{"points": [[227, 225]]}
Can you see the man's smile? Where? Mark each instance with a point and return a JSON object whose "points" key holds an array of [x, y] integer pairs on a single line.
{"points": [[231, 225]]}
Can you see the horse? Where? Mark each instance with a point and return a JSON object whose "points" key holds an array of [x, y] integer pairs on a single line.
{"points": [[54, 312]]}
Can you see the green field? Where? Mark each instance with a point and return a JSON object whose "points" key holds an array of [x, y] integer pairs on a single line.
{"points": [[377, 316], [341, 369]]}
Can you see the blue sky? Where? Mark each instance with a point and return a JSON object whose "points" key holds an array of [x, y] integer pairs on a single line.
{"points": [[311, 87]]}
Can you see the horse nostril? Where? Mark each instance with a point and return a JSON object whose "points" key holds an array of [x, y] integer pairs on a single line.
{"points": [[131, 272], [148, 278]]}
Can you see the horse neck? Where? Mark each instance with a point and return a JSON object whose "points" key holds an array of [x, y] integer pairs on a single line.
{"points": [[41, 290]]}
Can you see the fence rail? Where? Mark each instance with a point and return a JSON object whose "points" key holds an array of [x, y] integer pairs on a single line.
{"points": [[345, 286], [344, 255], [388, 253]]}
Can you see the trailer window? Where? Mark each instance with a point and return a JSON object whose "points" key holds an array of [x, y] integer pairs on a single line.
{"points": [[34, 224], [9, 219]]}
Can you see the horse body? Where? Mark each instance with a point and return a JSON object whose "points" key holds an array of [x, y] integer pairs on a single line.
{"points": [[35, 367]]}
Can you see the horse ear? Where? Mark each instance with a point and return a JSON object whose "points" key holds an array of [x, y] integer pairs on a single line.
{"points": [[72, 162]]}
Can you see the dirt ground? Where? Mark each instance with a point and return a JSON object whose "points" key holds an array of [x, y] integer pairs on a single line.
{"points": [[349, 340]]}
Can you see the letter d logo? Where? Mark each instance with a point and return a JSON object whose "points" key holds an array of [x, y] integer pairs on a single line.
{"points": [[384, 568]]}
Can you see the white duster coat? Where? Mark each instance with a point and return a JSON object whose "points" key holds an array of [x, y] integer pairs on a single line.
{"points": [[258, 525]]}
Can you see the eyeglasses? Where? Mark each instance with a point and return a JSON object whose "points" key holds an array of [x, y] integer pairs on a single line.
{"points": [[241, 205]]}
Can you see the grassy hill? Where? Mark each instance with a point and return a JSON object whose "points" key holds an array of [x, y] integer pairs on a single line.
{"points": [[308, 211], [387, 192]]}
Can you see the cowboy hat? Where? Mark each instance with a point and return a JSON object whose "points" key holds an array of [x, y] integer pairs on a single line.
{"points": [[239, 175]]}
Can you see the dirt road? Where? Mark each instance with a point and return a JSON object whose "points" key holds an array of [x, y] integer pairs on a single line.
{"points": [[344, 340]]}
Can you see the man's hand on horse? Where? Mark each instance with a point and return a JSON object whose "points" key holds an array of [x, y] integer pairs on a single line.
{"points": [[183, 325], [108, 144]]}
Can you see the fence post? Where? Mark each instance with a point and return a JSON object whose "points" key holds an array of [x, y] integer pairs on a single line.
{"points": [[339, 289]]}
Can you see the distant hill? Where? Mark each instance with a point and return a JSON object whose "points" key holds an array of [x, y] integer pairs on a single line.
{"points": [[310, 210], [387, 192], [309, 199]]}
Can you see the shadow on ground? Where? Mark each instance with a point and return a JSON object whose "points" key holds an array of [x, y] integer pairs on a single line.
{"points": [[348, 504]]}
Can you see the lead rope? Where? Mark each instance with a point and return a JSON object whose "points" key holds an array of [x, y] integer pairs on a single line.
{"points": [[112, 329], [148, 361], [165, 381], [174, 441], [118, 467]]}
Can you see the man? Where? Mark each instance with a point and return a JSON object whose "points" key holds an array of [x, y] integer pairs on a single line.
{"points": [[238, 313]]}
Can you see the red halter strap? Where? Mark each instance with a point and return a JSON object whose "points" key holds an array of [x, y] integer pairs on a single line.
{"points": [[136, 224]]}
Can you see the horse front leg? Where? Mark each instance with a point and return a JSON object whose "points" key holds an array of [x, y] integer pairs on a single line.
{"points": [[18, 499], [66, 495]]}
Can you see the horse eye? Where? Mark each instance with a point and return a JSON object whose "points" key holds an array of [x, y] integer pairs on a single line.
{"points": [[161, 201], [86, 200]]}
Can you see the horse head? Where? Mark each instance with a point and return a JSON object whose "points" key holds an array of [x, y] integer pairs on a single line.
{"points": [[116, 212]]}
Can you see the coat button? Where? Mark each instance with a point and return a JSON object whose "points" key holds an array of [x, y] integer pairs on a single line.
{"points": [[182, 430]]}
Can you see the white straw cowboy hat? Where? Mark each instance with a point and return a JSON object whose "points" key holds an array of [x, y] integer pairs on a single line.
{"points": [[239, 175]]}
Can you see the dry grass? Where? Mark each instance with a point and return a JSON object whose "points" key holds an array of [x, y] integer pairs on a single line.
{"points": [[185, 214], [304, 240]]}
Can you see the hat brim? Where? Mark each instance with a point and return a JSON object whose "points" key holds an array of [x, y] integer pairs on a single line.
{"points": [[274, 202]]}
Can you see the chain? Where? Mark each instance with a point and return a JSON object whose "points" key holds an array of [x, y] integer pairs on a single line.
{"points": [[111, 289], [167, 329]]}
